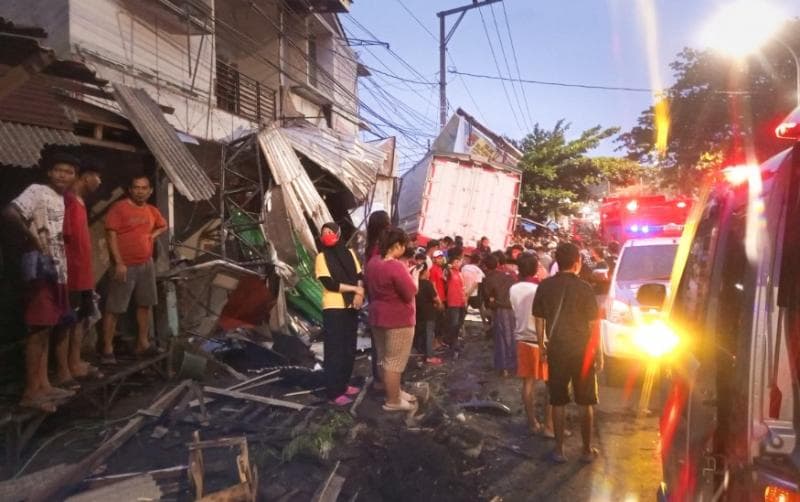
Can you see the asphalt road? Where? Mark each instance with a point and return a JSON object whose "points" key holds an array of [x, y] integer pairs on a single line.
{"points": [[516, 468]]}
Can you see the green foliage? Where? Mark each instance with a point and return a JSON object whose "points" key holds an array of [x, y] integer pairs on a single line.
{"points": [[317, 439], [557, 174], [721, 112]]}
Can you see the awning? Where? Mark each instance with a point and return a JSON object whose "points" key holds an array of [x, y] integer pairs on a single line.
{"points": [[162, 140], [352, 162], [21, 145], [299, 196]]}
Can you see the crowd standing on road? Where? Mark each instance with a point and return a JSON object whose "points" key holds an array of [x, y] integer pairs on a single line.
{"points": [[533, 298]]}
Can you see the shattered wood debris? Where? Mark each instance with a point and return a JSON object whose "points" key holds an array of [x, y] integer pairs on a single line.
{"points": [[54, 488], [247, 488], [252, 397]]}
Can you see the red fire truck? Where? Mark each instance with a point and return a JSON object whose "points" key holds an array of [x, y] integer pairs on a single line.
{"points": [[623, 218]]}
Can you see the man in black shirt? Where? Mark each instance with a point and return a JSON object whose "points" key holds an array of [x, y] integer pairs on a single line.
{"points": [[566, 312]]}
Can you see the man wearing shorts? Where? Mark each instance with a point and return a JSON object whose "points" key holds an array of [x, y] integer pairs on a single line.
{"points": [[38, 214], [566, 313], [531, 366], [132, 226], [70, 367]]}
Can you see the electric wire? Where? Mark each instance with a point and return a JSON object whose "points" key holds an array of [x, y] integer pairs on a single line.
{"points": [[516, 63], [497, 65], [514, 85]]}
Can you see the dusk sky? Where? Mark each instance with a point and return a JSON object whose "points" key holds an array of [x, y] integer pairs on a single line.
{"points": [[595, 42]]}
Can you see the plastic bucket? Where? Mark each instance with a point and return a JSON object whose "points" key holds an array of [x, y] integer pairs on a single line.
{"points": [[192, 366]]}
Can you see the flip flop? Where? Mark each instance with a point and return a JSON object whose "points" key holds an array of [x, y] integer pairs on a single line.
{"points": [[352, 391], [403, 405], [59, 393], [590, 456], [69, 385], [108, 359], [552, 435], [92, 373], [43, 404], [341, 401], [556, 458]]}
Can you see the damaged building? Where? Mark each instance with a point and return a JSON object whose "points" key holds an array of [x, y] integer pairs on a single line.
{"points": [[243, 114]]}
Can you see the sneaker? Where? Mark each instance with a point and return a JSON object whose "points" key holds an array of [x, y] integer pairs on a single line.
{"points": [[342, 400], [434, 361]]}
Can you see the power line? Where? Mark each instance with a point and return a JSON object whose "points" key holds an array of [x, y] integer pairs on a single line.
{"points": [[516, 63], [497, 65], [411, 13], [557, 84], [508, 68]]}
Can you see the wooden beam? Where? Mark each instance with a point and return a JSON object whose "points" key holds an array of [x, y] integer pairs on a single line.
{"points": [[252, 397], [114, 145], [56, 488]]}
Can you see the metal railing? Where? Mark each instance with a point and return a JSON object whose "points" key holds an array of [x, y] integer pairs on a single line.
{"points": [[242, 95]]}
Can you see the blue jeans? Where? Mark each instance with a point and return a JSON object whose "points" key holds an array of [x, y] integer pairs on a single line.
{"points": [[455, 320]]}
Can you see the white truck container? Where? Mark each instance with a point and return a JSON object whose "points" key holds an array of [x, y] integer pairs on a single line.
{"points": [[467, 185]]}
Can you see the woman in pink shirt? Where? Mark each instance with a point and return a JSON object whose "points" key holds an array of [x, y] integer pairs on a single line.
{"points": [[392, 292]]}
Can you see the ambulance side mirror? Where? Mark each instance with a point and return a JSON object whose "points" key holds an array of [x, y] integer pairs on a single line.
{"points": [[652, 295]]}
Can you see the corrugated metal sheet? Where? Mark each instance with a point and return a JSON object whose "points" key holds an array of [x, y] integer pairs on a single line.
{"points": [[21, 145], [160, 137], [300, 197], [35, 103], [352, 162]]}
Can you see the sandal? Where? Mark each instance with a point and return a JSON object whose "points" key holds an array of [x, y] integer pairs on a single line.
{"points": [[341, 401], [556, 458], [92, 373], [69, 385], [405, 396], [43, 404], [59, 393], [403, 405], [552, 435], [590, 456], [351, 391], [108, 359]]}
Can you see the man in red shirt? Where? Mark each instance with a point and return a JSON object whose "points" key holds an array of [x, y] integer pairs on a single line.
{"points": [[456, 301], [438, 280], [80, 279], [132, 226]]}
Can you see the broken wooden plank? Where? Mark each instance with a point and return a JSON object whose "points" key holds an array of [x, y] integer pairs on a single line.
{"points": [[56, 487], [158, 475], [330, 489], [360, 397], [240, 386], [252, 397], [137, 488]]}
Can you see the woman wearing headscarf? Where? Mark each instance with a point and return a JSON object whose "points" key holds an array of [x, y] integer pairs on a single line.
{"points": [[339, 271], [392, 312]]}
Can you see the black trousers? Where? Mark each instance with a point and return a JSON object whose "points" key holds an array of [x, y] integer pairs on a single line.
{"points": [[340, 331]]}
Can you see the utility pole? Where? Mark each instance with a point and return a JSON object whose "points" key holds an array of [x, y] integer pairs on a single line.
{"points": [[444, 38]]}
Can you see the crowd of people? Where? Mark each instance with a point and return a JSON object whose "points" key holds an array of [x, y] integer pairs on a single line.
{"points": [[534, 299], [60, 302]]}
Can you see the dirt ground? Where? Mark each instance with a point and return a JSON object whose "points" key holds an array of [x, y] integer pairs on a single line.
{"points": [[443, 454]]}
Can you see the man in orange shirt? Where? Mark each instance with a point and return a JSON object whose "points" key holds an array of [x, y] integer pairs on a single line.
{"points": [[132, 226]]}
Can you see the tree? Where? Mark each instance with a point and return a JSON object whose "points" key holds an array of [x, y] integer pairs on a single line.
{"points": [[557, 174], [721, 112]]}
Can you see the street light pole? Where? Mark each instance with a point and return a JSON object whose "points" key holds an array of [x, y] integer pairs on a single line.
{"points": [[444, 38], [796, 68]]}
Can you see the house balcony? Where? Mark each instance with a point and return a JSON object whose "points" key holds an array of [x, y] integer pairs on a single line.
{"points": [[243, 96]]}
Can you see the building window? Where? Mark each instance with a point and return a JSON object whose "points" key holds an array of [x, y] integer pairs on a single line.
{"points": [[242, 95], [313, 63]]}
